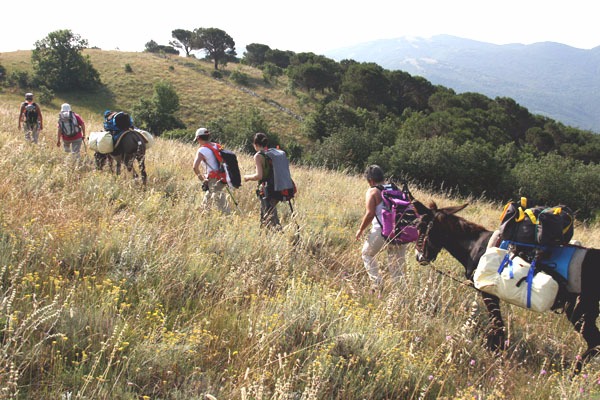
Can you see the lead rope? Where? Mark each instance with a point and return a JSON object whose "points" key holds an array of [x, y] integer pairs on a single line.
{"points": [[469, 284]]}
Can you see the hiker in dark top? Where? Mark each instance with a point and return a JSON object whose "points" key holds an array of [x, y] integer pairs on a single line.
{"points": [[30, 118], [268, 205]]}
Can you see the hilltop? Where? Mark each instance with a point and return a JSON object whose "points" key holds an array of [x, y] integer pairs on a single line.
{"points": [[202, 97]]}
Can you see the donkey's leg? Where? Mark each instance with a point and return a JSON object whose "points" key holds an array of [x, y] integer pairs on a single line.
{"points": [[495, 330], [118, 167], [129, 160], [584, 312], [142, 164]]}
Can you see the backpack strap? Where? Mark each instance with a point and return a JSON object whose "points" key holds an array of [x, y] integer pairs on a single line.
{"points": [[216, 173], [215, 151], [267, 167], [405, 190], [530, 214]]}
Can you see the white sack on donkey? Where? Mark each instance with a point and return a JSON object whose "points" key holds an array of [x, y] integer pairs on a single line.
{"points": [[513, 280], [102, 142]]}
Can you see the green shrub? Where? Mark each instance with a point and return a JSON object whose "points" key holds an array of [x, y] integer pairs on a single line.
{"points": [[45, 95], [240, 78], [2, 74], [20, 79]]}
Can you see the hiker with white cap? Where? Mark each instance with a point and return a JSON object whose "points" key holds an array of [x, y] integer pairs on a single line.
{"points": [[30, 117], [71, 129], [208, 169]]}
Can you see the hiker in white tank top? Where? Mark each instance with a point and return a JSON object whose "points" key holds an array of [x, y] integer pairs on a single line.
{"points": [[212, 183], [376, 225], [375, 242]]}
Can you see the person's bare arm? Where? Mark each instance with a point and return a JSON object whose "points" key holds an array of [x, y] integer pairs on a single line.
{"points": [[371, 202], [258, 175]]}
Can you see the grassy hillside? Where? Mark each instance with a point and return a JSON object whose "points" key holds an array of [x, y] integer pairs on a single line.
{"points": [[109, 291], [202, 97]]}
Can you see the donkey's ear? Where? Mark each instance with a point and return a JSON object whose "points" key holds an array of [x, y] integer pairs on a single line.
{"points": [[455, 209], [420, 207]]}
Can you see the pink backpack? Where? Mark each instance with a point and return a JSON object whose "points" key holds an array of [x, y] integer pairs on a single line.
{"points": [[398, 216]]}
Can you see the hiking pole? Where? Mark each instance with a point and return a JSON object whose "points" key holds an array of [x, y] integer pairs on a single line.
{"points": [[293, 215], [233, 198], [85, 149]]}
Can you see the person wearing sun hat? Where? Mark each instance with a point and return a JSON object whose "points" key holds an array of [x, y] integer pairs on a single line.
{"points": [[207, 169], [30, 118], [71, 129]]}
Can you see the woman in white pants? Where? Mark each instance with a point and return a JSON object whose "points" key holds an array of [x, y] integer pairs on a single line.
{"points": [[375, 242]]}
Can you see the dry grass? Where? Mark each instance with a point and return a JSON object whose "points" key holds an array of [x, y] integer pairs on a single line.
{"points": [[109, 291]]}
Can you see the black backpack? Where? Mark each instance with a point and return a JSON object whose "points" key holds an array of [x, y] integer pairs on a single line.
{"points": [[31, 113], [536, 225], [228, 164]]}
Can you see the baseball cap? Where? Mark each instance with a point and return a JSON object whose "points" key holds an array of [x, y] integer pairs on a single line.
{"points": [[201, 132], [65, 107]]}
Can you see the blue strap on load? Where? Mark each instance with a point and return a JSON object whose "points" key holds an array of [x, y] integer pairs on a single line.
{"points": [[530, 275], [557, 259], [505, 243], [507, 261]]}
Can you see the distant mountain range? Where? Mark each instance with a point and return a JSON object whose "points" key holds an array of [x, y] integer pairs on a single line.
{"points": [[550, 79]]}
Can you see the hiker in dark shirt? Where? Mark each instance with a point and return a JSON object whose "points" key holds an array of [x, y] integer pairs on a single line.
{"points": [[30, 118]]}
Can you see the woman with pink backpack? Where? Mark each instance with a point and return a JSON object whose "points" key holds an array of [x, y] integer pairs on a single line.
{"points": [[386, 208]]}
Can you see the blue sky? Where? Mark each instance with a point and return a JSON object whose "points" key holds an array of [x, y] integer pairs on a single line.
{"points": [[307, 25]]}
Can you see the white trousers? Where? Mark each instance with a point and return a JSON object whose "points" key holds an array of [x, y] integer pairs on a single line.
{"points": [[216, 196], [396, 257]]}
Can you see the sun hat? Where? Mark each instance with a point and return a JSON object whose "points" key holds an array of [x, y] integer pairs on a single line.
{"points": [[201, 132], [28, 96], [65, 107]]}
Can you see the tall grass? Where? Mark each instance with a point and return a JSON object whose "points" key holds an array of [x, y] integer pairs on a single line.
{"points": [[112, 291]]}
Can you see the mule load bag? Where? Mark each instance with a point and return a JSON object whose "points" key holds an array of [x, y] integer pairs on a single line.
{"points": [[148, 138], [514, 280], [398, 215], [549, 226], [228, 164], [102, 142], [278, 183], [68, 123], [117, 121]]}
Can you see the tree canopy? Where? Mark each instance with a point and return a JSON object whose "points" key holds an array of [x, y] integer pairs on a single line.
{"points": [[153, 47], [58, 62], [219, 46], [183, 40]]}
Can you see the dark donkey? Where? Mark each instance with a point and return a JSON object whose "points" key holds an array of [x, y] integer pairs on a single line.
{"points": [[130, 146], [467, 242]]}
